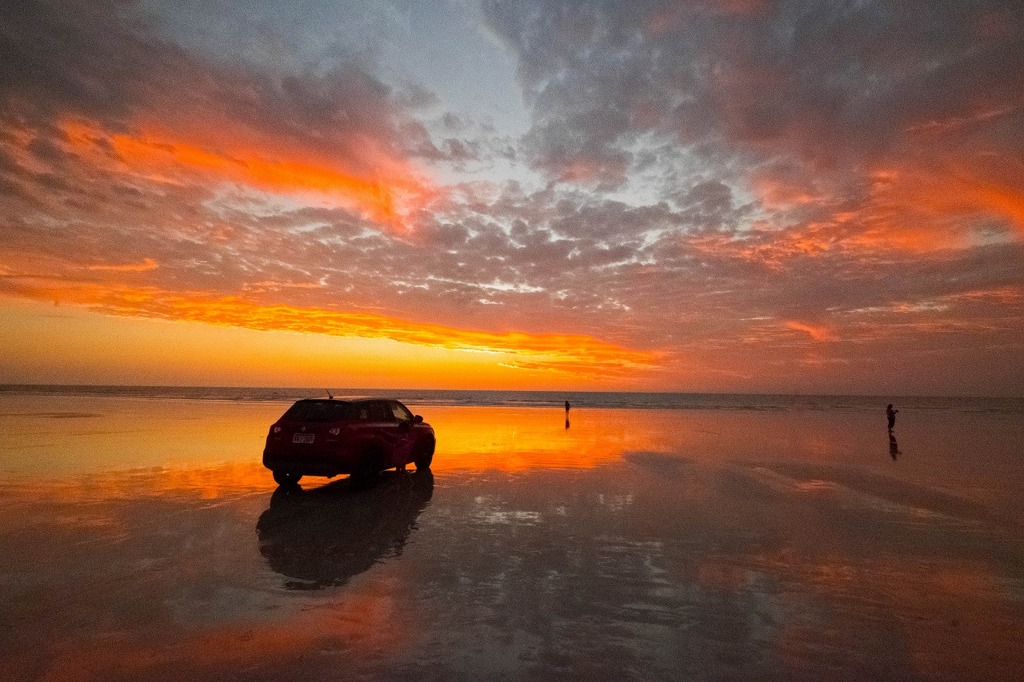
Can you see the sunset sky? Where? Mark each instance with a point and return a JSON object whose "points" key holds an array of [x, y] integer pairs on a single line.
{"points": [[697, 195]]}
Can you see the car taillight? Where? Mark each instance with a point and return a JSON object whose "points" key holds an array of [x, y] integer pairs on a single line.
{"points": [[335, 431]]}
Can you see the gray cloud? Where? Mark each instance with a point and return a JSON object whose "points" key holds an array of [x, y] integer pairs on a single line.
{"points": [[102, 62], [833, 84]]}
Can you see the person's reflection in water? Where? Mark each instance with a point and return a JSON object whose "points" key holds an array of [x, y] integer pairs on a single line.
{"points": [[894, 448], [566, 423], [322, 537]]}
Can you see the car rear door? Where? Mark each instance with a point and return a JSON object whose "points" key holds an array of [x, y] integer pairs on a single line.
{"points": [[405, 437], [385, 430]]}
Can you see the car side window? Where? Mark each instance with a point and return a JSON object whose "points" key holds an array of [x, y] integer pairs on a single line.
{"points": [[400, 413], [378, 412]]}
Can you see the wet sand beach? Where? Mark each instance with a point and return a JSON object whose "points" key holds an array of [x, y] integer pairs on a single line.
{"points": [[142, 539]]}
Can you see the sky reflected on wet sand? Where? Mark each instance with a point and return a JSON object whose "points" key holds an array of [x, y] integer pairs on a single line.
{"points": [[635, 544]]}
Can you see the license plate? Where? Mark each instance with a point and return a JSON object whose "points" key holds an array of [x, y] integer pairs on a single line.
{"points": [[303, 437]]}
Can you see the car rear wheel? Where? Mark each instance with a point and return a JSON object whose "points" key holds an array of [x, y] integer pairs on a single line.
{"points": [[425, 457], [287, 477]]}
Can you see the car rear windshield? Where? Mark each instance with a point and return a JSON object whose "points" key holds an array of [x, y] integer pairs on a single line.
{"points": [[319, 411]]}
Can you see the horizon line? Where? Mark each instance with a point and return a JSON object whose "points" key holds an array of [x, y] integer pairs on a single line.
{"points": [[4, 386]]}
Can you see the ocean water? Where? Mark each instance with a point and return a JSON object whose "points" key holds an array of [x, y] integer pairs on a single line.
{"points": [[579, 399]]}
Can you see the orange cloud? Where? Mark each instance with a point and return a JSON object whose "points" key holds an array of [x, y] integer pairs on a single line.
{"points": [[1007, 295], [573, 354], [386, 193], [779, 193], [916, 205], [817, 333], [922, 208], [146, 264]]}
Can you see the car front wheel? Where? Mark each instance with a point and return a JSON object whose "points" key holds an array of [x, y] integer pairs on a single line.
{"points": [[425, 457]]}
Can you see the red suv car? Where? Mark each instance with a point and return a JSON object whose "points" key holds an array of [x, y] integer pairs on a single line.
{"points": [[326, 437]]}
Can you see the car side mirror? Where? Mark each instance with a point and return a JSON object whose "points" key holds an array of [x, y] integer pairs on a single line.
{"points": [[417, 419]]}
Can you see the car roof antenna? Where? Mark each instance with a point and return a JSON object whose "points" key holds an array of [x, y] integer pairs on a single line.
{"points": [[329, 393]]}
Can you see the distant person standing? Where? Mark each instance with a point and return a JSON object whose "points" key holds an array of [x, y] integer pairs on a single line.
{"points": [[890, 414]]}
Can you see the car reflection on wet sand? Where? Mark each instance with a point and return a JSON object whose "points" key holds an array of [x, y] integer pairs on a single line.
{"points": [[324, 536]]}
